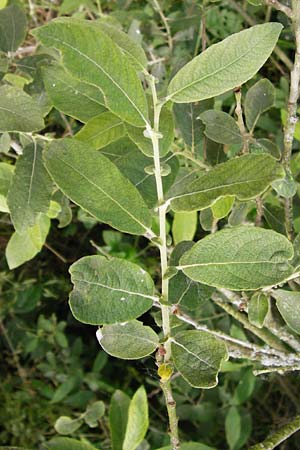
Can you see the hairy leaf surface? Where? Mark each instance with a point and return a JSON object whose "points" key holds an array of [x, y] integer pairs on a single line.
{"points": [[241, 258], [101, 130], [109, 291], [225, 65]]}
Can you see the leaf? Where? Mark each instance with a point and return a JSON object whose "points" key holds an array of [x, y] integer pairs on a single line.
{"points": [[109, 291], [18, 111], [221, 127], [31, 189], [131, 340], [258, 308], [126, 44], [265, 146], [66, 425], [184, 226], [132, 163], [101, 130], [166, 130], [286, 187], [222, 207], [232, 426], [288, 304], [246, 386], [241, 258], [190, 446], [59, 443], [91, 181], [93, 413], [102, 65], [198, 356], [183, 291], [244, 177], [23, 247], [64, 389], [13, 26], [6, 174], [259, 99], [138, 420], [118, 416], [71, 96], [225, 65], [191, 127]]}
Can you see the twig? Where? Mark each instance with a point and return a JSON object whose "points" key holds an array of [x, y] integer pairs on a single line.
{"points": [[259, 211], [56, 253], [240, 120], [165, 22], [280, 7], [281, 435]]}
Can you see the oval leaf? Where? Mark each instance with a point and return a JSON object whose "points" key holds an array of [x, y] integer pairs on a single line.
{"points": [[288, 304], [131, 340], [245, 177], [102, 65], [118, 416], [101, 130], [225, 65], [259, 99], [198, 356], [91, 181], [109, 291], [258, 308], [242, 258], [221, 127]]}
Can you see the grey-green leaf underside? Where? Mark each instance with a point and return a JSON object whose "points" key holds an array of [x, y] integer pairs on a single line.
{"points": [[241, 258], [109, 291]]}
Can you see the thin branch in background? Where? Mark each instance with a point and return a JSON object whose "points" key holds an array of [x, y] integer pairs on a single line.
{"points": [[280, 436], [289, 128], [240, 120], [280, 7], [259, 211], [56, 253], [165, 22]]}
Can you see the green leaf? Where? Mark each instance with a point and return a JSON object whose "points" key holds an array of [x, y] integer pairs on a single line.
{"points": [[241, 258], [102, 65], [286, 187], [138, 420], [166, 130], [101, 130], [190, 446], [245, 388], [109, 291], [64, 389], [244, 177], [221, 127], [31, 189], [93, 413], [6, 175], [265, 146], [23, 247], [225, 65], [18, 111], [126, 44], [131, 340], [258, 308], [13, 26], [222, 207], [232, 426], [191, 127], [132, 164], [183, 291], [198, 356], [118, 416], [59, 443], [259, 99], [91, 181], [184, 226], [72, 96], [66, 425], [288, 304]]}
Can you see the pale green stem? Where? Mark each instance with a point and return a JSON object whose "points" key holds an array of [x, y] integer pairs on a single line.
{"points": [[165, 309], [280, 436], [240, 120]]}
